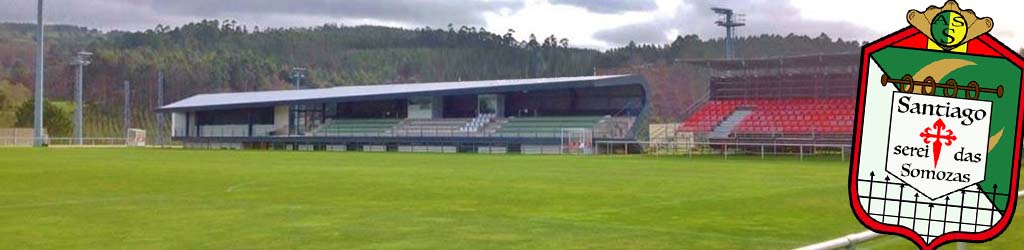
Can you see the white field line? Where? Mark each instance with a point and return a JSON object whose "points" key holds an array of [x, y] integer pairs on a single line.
{"points": [[236, 186], [774, 192], [233, 188], [76, 202], [690, 232]]}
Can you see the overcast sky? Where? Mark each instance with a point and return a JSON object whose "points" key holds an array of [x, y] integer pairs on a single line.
{"points": [[597, 24]]}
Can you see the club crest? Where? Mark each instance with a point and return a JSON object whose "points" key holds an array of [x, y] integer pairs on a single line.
{"points": [[936, 151]]}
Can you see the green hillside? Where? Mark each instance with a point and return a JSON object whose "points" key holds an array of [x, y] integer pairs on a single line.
{"points": [[222, 56]]}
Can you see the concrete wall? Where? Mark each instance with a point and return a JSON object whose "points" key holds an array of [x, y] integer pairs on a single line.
{"points": [[193, 130], [224, 130], [178, 124], [497, 100], [429, 107], [541, 149], [420, 108], [375, 148], [492, 150], [437, 107], [213, 145], [281, 118], [427, 149]]}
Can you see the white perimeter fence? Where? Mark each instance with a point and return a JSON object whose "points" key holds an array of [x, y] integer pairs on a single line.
{"points": [[851, 241], [66, 142], [723, 149]]}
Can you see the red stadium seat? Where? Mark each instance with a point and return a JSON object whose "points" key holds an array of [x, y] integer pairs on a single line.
{"points": [[797, 116]]}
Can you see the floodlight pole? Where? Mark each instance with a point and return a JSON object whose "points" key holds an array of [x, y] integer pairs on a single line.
{"points": [[127, 108], [160, 103], [37, 122], [730, 23], [296, 74], [80, 60]]}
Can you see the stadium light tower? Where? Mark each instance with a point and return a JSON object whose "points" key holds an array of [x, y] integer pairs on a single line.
{"points": [[730, 21], [127, 110], [81, 60], [37, 122], [160, 103], [297, 74]]}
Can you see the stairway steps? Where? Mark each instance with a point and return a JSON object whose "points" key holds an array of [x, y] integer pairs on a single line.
{"points": [[725, 128]]}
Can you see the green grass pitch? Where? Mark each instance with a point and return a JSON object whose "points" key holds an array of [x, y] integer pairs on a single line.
{"points": [[183, 199]]}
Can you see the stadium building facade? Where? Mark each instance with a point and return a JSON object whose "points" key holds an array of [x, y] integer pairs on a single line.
{"points": [[545, 115], [788, 100]]}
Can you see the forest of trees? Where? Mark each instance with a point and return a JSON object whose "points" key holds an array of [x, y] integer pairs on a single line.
{"points": [[692, 47], [221, 56], [217, 56]]}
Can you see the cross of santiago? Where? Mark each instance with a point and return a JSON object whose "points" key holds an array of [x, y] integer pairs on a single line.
{"points": [[938, 138]]}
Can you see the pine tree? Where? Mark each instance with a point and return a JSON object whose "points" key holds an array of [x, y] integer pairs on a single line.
{"points": [[55, 120]]}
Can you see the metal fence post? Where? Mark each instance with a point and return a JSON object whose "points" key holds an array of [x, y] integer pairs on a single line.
{"points": [[689, 150], [708, 148]]}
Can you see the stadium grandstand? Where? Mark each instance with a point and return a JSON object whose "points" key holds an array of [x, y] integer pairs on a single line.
{"points": [[547, 115], [789, 100]]}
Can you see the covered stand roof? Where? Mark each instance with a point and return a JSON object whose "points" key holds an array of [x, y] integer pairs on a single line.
{"points": [[385, 91]]}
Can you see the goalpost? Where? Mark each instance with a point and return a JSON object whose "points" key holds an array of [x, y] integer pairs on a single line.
{"points": [[136, 138], [577, 141]]}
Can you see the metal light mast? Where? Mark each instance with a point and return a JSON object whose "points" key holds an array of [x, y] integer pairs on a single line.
{"points": [[127, 109], [297, 74], [37, 122], [730, 21], [160, 103], [81, 60]]}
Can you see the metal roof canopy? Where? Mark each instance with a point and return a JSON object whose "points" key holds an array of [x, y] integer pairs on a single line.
{"points": [[391, 91]]}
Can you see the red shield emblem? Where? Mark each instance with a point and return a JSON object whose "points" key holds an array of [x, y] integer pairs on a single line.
{"points": [[937, 143]]}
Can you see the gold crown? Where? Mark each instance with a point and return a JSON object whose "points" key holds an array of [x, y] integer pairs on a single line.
{"points": [[974, 26]]}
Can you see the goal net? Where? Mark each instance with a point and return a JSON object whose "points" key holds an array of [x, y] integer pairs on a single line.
{"points": [[136, 138], [577, 141]]}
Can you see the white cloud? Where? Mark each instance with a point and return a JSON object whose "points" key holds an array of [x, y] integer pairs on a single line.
{"points": [[883, 17], [591, 24], [543, 19]]}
